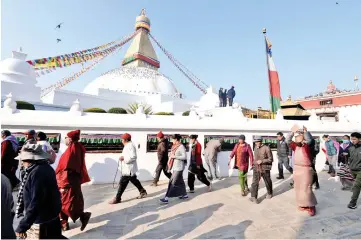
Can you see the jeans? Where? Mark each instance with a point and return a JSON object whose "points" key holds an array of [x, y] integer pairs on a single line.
{"points": [[200, 176], [158, 171], [124, 183], [284, 161], [266, 175], [243, 180], [211, 167], [356, 189]]}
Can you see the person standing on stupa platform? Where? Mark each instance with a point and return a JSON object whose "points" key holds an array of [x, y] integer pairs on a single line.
{"points": [[129, 169], [355, 167], [195, 166], [9, 151], [230, 95], [162, 153], [210, 157], [263, 159], [303, 173], [243, 153], [71, 173], [220, 96], [224, 98], [177, 163], [283, 154]]}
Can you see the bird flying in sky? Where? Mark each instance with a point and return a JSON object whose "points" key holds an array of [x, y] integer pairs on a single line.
{"points": [[59, 25], [58, 40]]}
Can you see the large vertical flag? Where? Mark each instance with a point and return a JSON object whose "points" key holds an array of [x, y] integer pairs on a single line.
{"points": [[274, 82]]}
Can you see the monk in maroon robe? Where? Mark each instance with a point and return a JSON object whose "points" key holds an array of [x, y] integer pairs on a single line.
{"points": [[71, 173]]}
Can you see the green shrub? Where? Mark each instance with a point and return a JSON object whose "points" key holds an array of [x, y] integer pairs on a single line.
{"points": [[24, 105], [117, 110], [164, 113], [95, 110], [186, 113]]}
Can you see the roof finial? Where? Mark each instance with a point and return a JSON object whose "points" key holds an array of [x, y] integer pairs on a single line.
{"points": [[264, 30], [142, 12]]}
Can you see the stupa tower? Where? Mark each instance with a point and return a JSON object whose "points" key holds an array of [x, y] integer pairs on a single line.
{"points": [[141, 52]]}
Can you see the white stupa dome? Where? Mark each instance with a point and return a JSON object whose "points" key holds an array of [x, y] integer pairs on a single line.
{"points": [[133, 80], [17, 70]]}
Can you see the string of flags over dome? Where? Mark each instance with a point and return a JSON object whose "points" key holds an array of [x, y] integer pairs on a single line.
{"points": [[97, 54]]}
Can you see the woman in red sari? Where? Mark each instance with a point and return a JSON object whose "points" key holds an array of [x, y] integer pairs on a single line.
{"points": [[303, 172], [71, 173]]}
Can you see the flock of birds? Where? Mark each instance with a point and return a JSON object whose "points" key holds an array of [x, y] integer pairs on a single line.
{"points": [[58, 27]]}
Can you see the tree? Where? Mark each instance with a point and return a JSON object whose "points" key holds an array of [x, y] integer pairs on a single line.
{"points": [[134, 106], [24, 105], [95, 110], [117, 110]]}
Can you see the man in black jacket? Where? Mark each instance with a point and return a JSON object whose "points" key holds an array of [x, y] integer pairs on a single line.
{"points": [[283, 155], [162, 152], [39, 196], [355, 167], [220, 96], [230, 95]]}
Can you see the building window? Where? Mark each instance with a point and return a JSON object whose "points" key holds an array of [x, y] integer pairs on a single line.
{"points": [[102, 143], [152, 142], [227, 145], [326, 102]]}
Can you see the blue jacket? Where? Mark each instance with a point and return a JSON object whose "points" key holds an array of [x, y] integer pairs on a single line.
{"points": [[41, 195], [231, 93]]}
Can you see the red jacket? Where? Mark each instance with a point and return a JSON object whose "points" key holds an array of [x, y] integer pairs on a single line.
{"points": [[196, 154], [247, 156]]}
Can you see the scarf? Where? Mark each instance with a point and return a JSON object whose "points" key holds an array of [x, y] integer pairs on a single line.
{"points": [[20, 203], [172, 152], [14, 142]]}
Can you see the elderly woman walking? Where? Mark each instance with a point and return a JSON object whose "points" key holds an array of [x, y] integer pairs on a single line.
{"points": [[243, 153], [177, 163], [303, 171]]}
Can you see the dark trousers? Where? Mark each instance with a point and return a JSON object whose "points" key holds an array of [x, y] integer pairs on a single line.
{"points": [[220, 102], [224, 102], [284, 161], [230, 100], [315, 176], [356, 189], [158, 171], [200, 176], [266, 175], [124, 183]]}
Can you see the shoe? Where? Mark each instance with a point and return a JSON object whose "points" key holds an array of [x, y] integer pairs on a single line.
{"points": [[243, 193], [142, 195], [254, 200], [65, 226], [191, 191], [163, 201], [311, 211], [184, 197], [246, 191], [332, 174], [291, 184], [352, 205], [114, 201], [269, 196], [280, 177], [154, 184], [302, 209], [316, 187], [84, 220], [210, 187]]}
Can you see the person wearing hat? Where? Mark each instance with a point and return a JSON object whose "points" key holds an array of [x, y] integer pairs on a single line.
{"points": [[29, 138], [303, 171], [38, 196], [177, 163], [263, 159], [242, 151], [71, 173], [9, 151], [230, 95], [129, 169], [196, 167], [162, 153]]}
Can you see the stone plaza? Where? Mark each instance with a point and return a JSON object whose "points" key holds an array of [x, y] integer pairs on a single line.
{"points": [[222, 213]]}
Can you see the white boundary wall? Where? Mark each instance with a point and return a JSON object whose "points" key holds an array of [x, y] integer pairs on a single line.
{"points": [[102, 167]]}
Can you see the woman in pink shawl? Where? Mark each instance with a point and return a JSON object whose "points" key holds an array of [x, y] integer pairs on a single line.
{"points": [[303, 172]]}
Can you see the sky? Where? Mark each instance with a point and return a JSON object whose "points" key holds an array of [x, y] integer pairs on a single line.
{"points": [[221, 42]]}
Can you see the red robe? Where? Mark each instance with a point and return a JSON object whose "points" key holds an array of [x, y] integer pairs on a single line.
{"points": [[70, 174]]}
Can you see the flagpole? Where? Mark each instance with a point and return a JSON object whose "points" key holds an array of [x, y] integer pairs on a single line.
{"points": [[264, 30]]}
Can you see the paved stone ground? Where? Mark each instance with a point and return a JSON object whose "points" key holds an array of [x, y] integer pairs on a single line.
{"points": [[223, 213]]}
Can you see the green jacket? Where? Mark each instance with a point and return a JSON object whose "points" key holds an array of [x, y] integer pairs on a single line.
{"points": [[355, 157]]}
